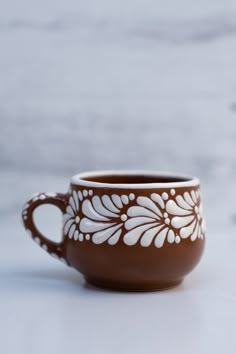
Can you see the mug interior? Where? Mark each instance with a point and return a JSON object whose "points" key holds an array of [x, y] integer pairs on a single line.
{"points": [[133, 179]]}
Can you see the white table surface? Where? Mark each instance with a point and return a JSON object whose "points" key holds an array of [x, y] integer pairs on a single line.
{"points": [[46, 307]]}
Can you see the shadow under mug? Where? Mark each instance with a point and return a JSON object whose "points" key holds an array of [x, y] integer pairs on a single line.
{"points": [[126, 230]]}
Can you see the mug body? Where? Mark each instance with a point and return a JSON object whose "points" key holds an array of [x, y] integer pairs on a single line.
{"points": [[133, 230]]}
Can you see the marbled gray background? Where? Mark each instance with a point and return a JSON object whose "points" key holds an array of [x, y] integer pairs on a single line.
{"points": [[103, 85]]}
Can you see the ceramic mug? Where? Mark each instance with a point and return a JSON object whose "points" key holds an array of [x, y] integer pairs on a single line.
{"points": [[126, 230]]}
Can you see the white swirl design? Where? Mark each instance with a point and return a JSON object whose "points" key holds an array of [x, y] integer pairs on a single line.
{"points": [[103, 217], [157, 219], [187, 215], [149, 220]]}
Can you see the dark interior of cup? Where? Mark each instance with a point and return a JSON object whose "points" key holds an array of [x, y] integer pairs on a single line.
{"points": [[133, 179]]}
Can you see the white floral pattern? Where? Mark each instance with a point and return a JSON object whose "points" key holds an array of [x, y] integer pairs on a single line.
{"points": [[187, 215], [165, 217], [71, 218], [148, 220], [104, 217]]}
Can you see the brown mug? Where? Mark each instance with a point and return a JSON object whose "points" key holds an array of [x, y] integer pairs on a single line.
{"points": [[126, 230]]}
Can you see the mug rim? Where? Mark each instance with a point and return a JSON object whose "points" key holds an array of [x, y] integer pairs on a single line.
{"points": [[188, 181]]}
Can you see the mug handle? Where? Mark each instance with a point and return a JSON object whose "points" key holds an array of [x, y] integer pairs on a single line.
{"points": [[55, 249]]}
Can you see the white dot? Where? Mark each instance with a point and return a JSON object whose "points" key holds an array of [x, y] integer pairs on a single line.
{"points": [[172, 191], [77, 219], [165, 215], [177, 239], [196, 209], [167, 221], [25, 217], [51, 194], [81, 237], [45, 247], [42, 197], [131, 196], [85, 193], [123, 217], [24, 212], [87, 236], [37, 240], [165, 196], [70, 235], [90, 192]]}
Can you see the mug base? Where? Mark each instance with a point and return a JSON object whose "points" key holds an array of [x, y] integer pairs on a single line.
{"points": [[119, 286]]}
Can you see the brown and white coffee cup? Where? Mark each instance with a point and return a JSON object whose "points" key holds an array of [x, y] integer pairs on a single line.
{"points": [[126, 230]]}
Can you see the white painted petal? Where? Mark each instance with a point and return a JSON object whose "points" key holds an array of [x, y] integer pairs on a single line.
{"points": [[80, 195], [90, 212], [182, 203], [193, 195], [159, 240], [149, 235], [188, 199], [75, 196], [88, 226], [173, 209], [68, 225], [101, 236], [148, 204], [203, 226], [141, 211], [125, 199], [131, 237], [72, 204], [72, 230], [98, 206], [158, 199], [199, 232], [109, 205], [181, 221], [137, 221], [76, 235], [195, 233], [117, 201], [70, 211], [171, 236], [188, 230], [115, 238]]}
